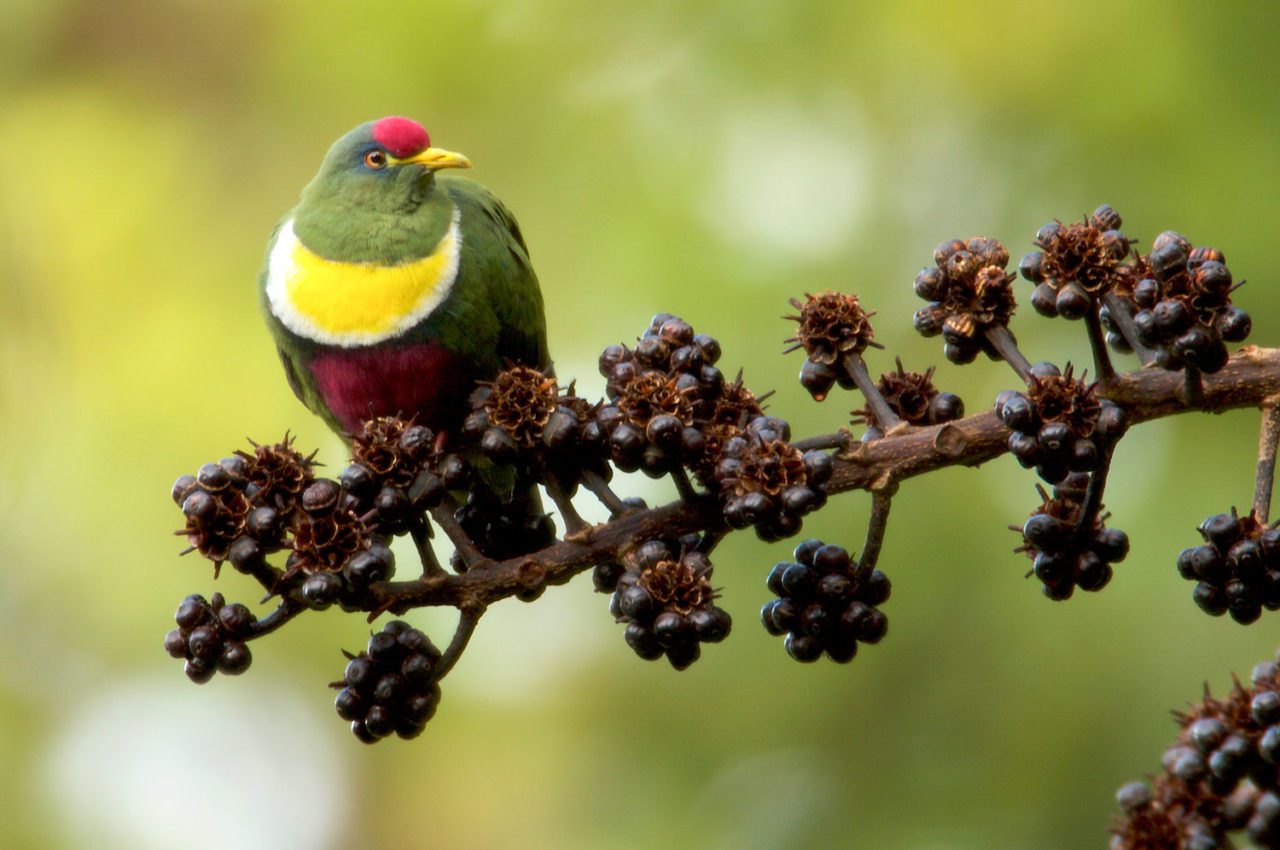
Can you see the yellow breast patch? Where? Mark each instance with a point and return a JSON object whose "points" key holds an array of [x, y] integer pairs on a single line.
{"points": [[350, 304]]}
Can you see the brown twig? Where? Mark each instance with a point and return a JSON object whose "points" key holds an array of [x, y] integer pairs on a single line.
{"points": [[1105, 372], [602, 491], [1251, 377], [880, 409], [1007, 347], [420, 530], [876, 527], [1268, 436]]}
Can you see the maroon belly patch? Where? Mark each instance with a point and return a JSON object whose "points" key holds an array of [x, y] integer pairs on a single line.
{"points": [[422, 381]]}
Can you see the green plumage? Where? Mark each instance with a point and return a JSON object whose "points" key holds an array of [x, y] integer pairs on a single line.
{"points": [[493, 314]]}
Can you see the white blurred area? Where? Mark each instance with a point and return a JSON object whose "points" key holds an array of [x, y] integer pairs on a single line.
{"points": [[150, 765]]}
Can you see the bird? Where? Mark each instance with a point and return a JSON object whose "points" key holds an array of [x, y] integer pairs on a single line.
{"points": [[392, 289]]}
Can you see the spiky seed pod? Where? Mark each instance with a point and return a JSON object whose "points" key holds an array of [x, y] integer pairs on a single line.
{"points": [[1067, 553], [215, 518], [394, 449], [1060, 425], [278, 471], [826, 602], [325, 537], [392, 686], [1076, 263], [968, 293], [210, 637], [520, 401], [831, 325], [668, 605], [914, 398], [1237, 569]]}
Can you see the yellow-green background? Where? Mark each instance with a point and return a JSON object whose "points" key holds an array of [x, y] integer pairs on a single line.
{"points": [[710, 159]]}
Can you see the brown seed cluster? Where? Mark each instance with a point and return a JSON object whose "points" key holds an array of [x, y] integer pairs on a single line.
{"points": [[326, 533], [678, 585], [651, 394], [969, 292], [1064, 398], [393, 449], [767, 466], [1220, 776], [1078, 262], [279, 471], [520, 401], [914, 398], [832, 324]]}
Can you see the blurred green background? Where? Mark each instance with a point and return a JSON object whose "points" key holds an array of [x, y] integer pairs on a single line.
{"points": [[710, 159]]}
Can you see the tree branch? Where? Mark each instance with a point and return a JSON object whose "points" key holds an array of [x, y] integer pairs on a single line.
{"points": [[1250, 378]]}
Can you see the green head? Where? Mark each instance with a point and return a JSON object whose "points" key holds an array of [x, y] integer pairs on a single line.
{"points": [[382, 166]]}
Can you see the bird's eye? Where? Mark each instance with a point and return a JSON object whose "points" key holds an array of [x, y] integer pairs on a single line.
{"points": [[375, 159]]}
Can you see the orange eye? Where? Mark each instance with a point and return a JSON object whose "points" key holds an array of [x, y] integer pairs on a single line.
{"points": [[375, 159]]}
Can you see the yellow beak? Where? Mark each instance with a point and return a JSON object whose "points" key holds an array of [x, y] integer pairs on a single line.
{"points": [[434, 159]]}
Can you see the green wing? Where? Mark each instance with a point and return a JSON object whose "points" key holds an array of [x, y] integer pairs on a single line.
{"points": [[498, 273]]}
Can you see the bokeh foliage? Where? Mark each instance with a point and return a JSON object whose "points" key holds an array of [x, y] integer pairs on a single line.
{"points": [[711, 159]]}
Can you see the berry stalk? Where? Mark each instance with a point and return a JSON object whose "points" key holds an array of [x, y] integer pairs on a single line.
{"points": [[1268, 436], [1007, 347], [857, 370]]}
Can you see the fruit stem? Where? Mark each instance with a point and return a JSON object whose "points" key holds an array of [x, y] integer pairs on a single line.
{"points": [[683, 487], [1093, 494], [467, 550], [573, 521], [1192, 392], [857, 369], [1268, 436], [420, 530], [467, 620], [602, 491], [284, 612], [1007, 347], [875, 532], [1123, 320], [836, 440], [1105, 372]]}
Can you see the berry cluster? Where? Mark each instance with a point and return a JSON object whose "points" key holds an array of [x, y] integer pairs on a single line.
{"points": [[914, 399], [1059, 425], [1076, 263], [769, 483], [1221, 775], [1067, 552], [393, 473], [826, 603], [523, 417], [1237, 569], [1183, 308], [391, 686], [968, 293], [832, 327], [211, 637], [662, 394], [237, 509], [335, 553], [668, 605]]}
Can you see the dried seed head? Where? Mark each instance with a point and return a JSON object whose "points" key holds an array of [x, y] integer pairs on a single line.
{"points": [[1088, 252], [968, 292], [1064, 398], [766, 466], [394, 449], [325, 542], [280, 471], [521, 401], [653, 393], [907, 393], [682, 586], [832, 324]]}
